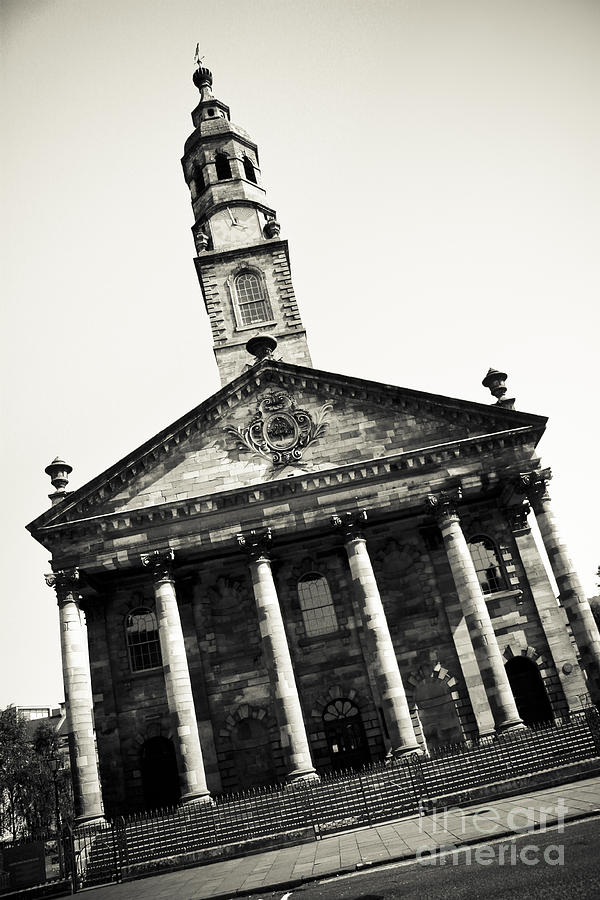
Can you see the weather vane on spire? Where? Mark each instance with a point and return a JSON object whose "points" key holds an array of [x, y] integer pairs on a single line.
{"points": [[197, 58]]}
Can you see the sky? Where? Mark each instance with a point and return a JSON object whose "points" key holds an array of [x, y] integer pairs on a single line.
{"points": [[433, 164]]}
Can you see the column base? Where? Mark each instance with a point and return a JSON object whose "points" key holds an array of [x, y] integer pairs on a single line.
{"points": [[301, 775], [403, 753], [511, 725], [200, 797], [89, 821]]}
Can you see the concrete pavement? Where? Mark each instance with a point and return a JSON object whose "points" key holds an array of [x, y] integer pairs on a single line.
{"points": [[402, 839]]}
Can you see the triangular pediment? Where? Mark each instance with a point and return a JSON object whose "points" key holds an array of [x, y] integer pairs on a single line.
{"points": [[279, 421]]}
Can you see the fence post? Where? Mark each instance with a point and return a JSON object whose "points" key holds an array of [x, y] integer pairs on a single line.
{"points": [[364, 797], [119, 846], [408, 763], [70, 860]]}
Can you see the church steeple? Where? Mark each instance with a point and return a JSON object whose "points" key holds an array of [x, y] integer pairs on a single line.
{"points": [[242, 263]]}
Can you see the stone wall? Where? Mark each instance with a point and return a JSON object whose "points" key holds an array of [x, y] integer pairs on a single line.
{"points": [[232, 692]]}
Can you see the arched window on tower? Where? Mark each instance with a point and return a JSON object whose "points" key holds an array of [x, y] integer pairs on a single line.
{"points": [[487, 564], [316, 604], [249, 170], [143, 646], [252, 301], [222, 166]]}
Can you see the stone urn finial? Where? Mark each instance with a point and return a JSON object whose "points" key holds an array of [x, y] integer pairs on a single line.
{"points": [[59, 472], [495, 381], [261, 346]]}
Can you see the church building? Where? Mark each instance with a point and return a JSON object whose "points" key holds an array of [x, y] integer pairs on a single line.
{"points": [[308, 572]]}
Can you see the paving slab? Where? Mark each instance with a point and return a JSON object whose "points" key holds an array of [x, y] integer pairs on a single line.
{"points": [[283, 869]]}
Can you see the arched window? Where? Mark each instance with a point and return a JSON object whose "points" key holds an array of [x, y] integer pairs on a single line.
{"points": [[253, 303], [223, 167], [141, 631], [316, 604], [487, 564], [249, 170]]}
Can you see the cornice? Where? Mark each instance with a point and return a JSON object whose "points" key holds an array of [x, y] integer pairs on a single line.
{"points": [[382, 469], [196, 137]]}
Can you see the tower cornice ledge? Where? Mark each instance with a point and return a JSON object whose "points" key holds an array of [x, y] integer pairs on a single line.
{"points": [[240, 252]]}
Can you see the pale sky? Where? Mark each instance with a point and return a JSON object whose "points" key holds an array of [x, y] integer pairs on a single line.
{"points": [[434, 165]]}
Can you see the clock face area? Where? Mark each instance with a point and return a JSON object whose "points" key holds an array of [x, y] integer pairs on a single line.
{"points": [[235, 225]]}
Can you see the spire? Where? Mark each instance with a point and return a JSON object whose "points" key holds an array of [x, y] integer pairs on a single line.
{"points": [[203, 80], [208, 107]]}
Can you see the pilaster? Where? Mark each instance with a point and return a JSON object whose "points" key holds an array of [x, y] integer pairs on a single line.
{"points": [[477, 618], [572, 595], [551, 616]]}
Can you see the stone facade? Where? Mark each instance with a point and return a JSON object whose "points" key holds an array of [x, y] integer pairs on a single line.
{"points": [[308, 571]]}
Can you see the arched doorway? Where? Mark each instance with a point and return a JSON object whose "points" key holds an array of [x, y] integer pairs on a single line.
{"points": [[251, 743], [437, 713], [345, 733], [160, 777], [529, 691]]}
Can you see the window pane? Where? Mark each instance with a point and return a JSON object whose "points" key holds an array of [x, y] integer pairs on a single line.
{"points": [[487, 565], [317, 605], [141, 631], [252, 302]]}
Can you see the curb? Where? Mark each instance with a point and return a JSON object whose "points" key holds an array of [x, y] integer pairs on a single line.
{"points": [[359, 867]]}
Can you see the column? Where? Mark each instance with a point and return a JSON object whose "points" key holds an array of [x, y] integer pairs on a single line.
{"points": [[382, 655], [78, 698], [177, 678], [552, 617], [572, 595], [485, 646], [288, 711]]}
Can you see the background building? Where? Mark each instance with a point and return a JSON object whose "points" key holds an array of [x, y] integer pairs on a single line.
{"points": [[308, 571]]}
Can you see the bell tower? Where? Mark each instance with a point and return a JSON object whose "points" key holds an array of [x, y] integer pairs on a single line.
{"points": [[242, 263]]}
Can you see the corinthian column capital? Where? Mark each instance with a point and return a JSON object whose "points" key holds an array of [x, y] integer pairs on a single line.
{"points": [[256, 544], [64, 582], [160, 562], [443, 505], [517, 516], [350, 524], [535, 484]]}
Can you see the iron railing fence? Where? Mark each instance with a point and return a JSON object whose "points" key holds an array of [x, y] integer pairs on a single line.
{"points": [[40, 856], [335, 802]]}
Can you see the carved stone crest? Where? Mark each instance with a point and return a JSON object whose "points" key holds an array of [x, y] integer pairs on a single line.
{"points": [[279, 430]]}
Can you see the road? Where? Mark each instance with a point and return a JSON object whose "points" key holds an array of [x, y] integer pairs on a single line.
{"points": [[536, 866]]}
